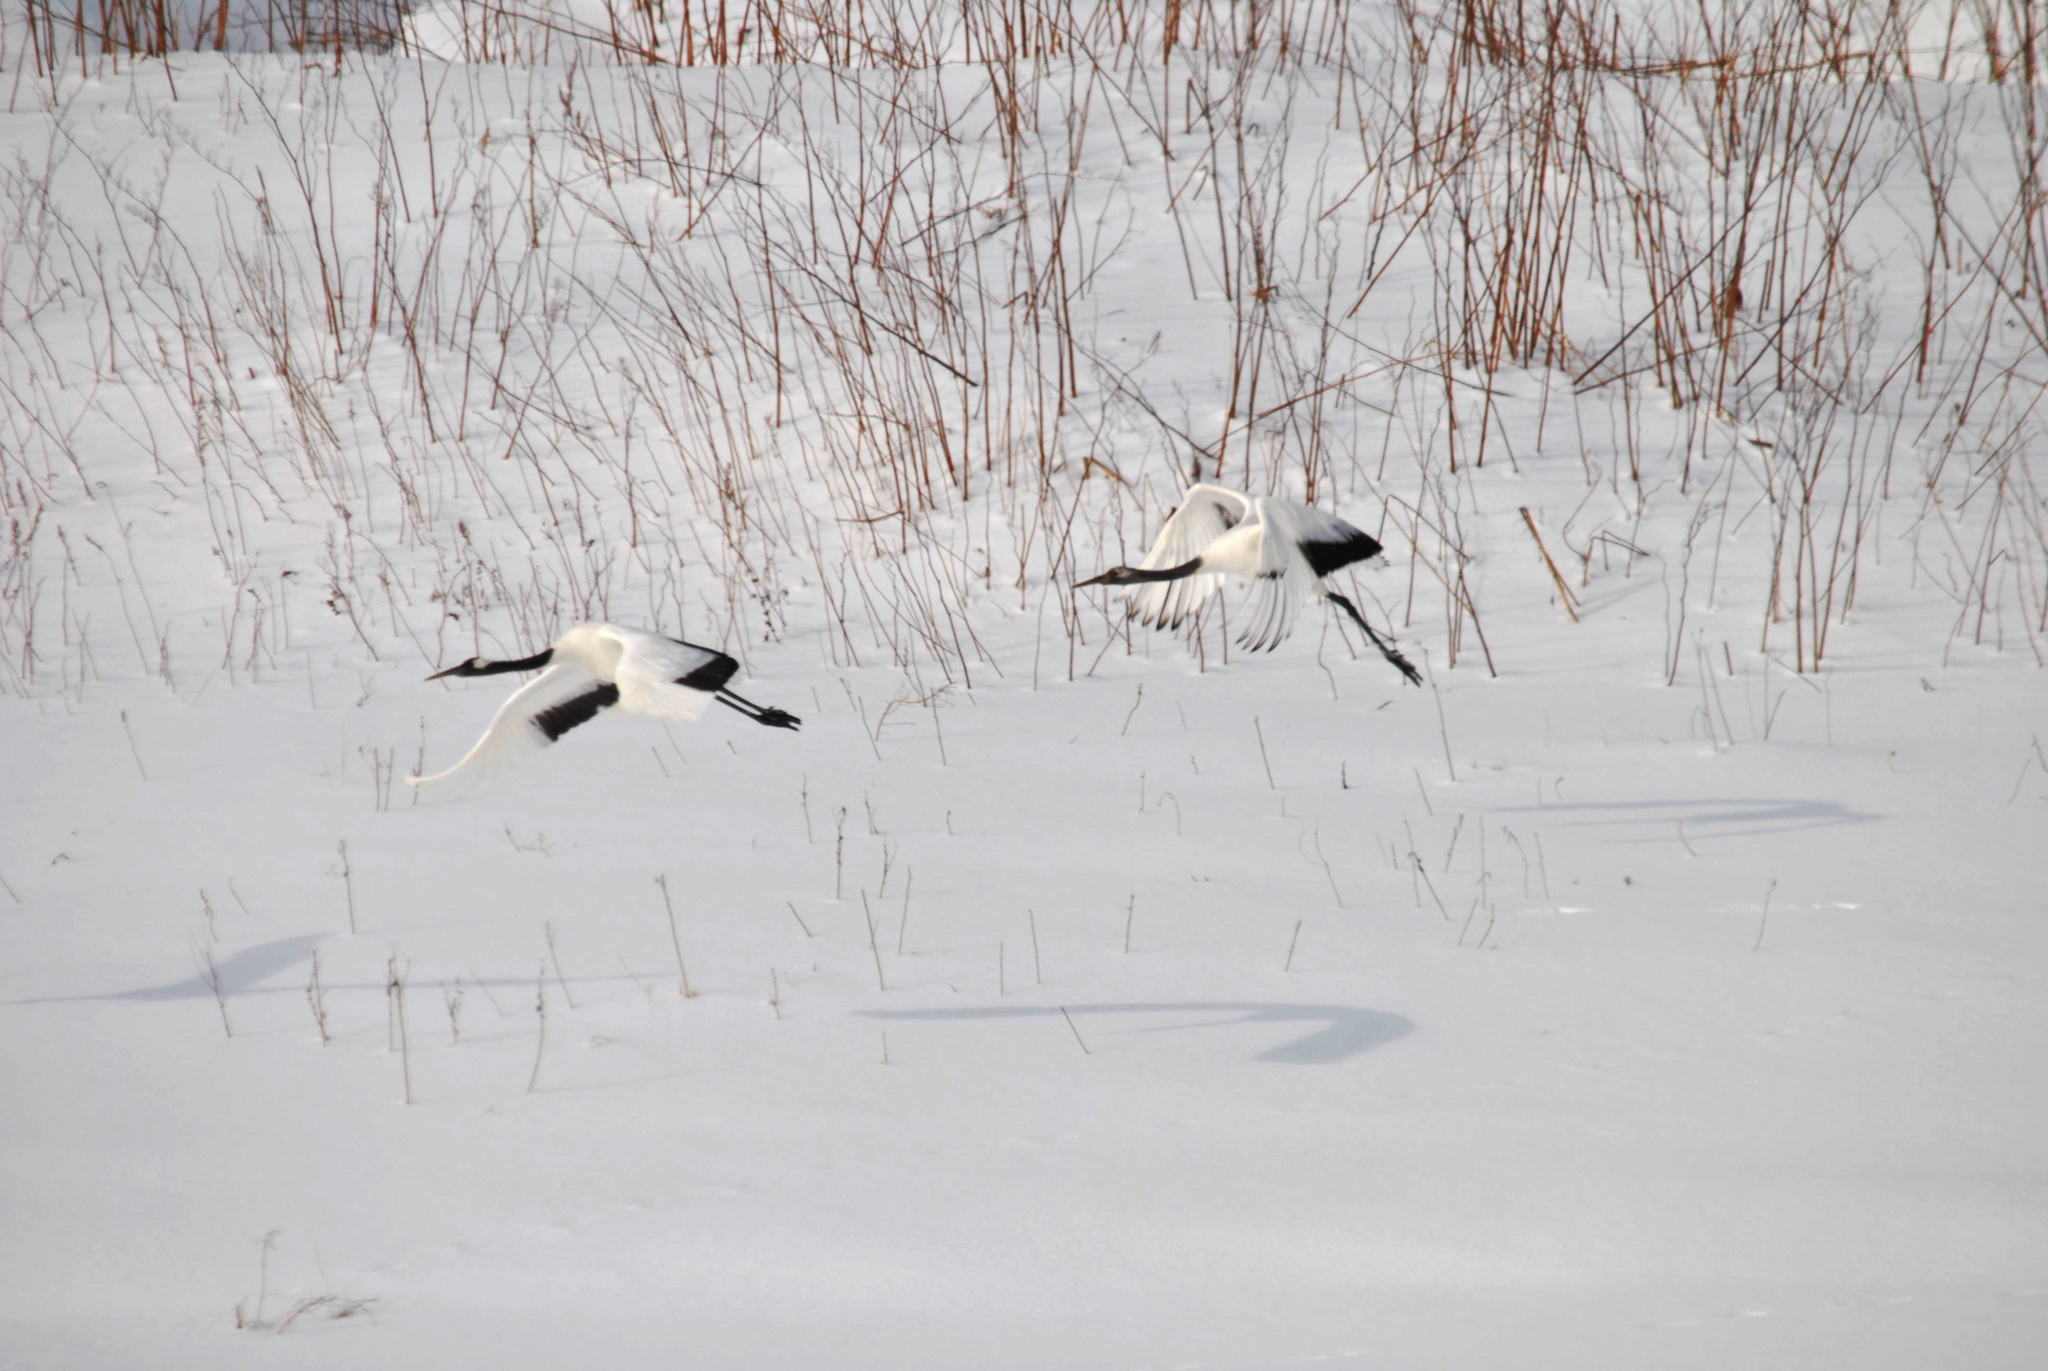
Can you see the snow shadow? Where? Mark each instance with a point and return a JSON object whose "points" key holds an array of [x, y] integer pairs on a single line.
{"points": [[1711, 818], [1344, 1032], [238, 972]]}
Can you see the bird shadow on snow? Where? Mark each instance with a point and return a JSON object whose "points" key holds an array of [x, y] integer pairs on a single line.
{"points": [[1342, 1032], [238, 973], [1345, 1032], [244, 973], [1713, 818]]}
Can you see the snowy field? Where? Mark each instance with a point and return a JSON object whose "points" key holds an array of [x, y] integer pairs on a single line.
{"points": [[1659, 986]]}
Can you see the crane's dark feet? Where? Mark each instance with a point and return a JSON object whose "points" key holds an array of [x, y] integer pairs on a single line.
{"points": [[777, 718], [1387, 649]]}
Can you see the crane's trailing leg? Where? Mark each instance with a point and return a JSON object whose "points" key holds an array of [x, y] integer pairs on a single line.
{"points": [[1387, 649], [760, 714]]}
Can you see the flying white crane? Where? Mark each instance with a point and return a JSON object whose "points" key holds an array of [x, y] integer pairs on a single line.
{"points": [[1284, 549], [592, 668]]}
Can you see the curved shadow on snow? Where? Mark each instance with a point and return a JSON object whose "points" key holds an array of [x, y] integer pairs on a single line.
{"points": [[1345, 1032], [239, 971], [1710, 818], [244, 973]]}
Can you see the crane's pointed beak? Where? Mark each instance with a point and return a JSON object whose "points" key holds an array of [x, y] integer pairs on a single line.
{"points": [[1102, 580], [449, 672]]}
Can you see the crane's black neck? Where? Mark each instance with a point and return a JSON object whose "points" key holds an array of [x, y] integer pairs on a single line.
{"points": [[1131, 575], [477, 666]]}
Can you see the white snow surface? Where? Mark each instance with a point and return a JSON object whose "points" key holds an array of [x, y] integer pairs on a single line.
{"points": [[1056, 998]]}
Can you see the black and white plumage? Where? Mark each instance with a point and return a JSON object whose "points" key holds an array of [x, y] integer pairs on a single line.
{"points": [[1284, 549], [592, 668]]}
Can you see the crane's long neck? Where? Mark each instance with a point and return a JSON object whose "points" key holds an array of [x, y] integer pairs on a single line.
{"points": [[1132, 575], [533, 663]]}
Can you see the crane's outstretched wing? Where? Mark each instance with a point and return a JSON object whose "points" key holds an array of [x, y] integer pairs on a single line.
{"points": [[1206, 514], [1329, 543], [1284, 577], [537, 713], [1298, 546], [665, 678]]}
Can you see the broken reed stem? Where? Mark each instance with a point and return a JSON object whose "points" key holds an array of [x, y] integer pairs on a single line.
{"points": [[337, 1308], [263, 1251], [676, 941], [792, 913], [1316, 836], [133, 750], [211, 975], [1289, 964], [1423, 872], [1130, 913], [1267, 761], [1443, 728], [394, 990], [903, 923], [1470, 914], [315, 999], [548, 930], [873, 946], [348, 884], [1762, 922], [1564, 593], [540, 1010], [1077, 1032]]}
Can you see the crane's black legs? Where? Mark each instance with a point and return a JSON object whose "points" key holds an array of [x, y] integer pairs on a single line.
{"points": [[1387, 649], [760, 714]]}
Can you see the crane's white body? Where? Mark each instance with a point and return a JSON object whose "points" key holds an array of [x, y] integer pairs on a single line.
{"points": [[1284, 549], [590, 669], [646, 667]]}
